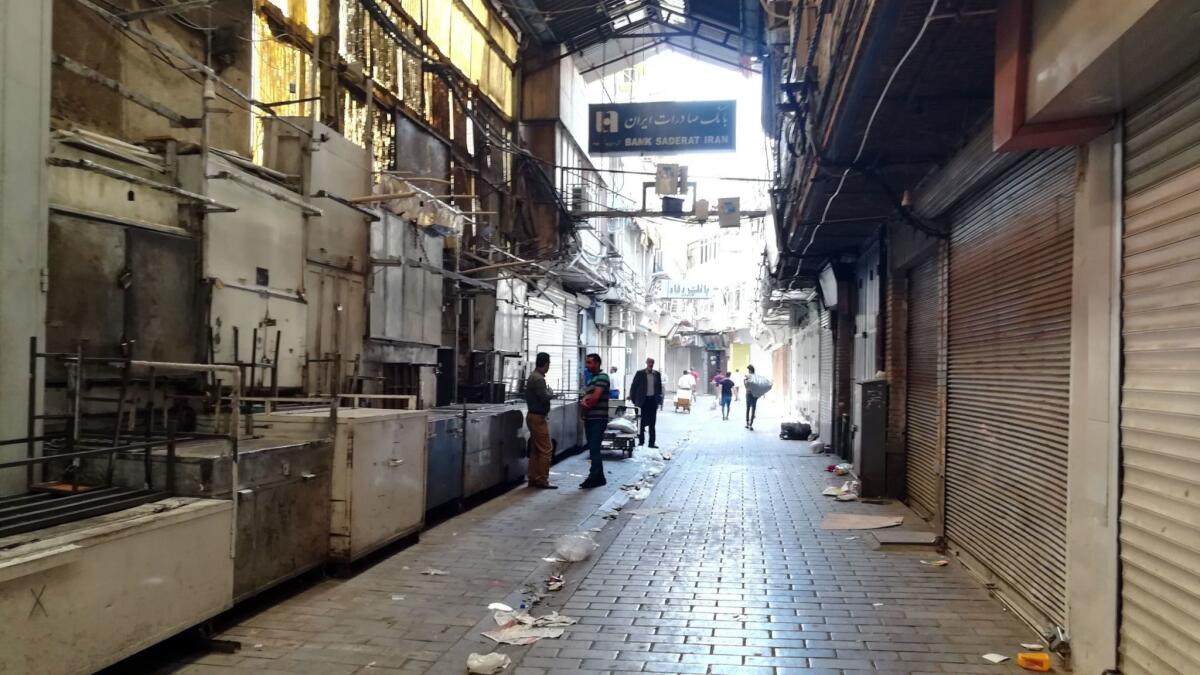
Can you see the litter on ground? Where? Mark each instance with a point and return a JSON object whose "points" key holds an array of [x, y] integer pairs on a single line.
{"points": [[1033, 646], [522, 635], [856, 521], [995, 658], [397, 597], [574, 547], [649, 511], [487, 664], [520, 628], [499, 607], [433, 572], [552, 559], [554, 583], [935, 563]]}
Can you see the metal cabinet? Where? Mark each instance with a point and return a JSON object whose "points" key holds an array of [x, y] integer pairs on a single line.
{"points": [[510, 422], [379, 474], [444, 476], [282, 516], [282, 492], [484, 468]]}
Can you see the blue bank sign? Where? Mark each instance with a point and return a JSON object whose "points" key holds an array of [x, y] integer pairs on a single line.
{"points": [[668, 126]]}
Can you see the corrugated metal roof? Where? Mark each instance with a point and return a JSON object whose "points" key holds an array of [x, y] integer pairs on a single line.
{"points": [[609, 35]]}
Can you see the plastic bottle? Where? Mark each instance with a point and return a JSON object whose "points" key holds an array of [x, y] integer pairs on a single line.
{"points": [[1035, 661]]}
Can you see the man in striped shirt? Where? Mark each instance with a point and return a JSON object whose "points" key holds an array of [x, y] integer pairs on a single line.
{"points": [[594, 407]]}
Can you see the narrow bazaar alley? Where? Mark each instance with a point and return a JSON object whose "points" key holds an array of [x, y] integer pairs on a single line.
{"points": [[724, 568]]}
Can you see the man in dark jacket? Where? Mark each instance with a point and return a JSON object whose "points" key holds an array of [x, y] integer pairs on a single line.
{"points": [[646, 393]]}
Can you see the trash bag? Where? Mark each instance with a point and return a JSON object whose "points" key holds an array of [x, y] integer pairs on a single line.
{"points": [[758, 385], [623, 425], [817, 447], [795, 431], [574, 547]]}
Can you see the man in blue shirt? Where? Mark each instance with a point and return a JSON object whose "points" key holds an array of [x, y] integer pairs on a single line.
{"points": [[726, 384]]}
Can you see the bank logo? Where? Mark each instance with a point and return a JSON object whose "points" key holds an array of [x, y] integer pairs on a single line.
{"points": [[607, 121]]}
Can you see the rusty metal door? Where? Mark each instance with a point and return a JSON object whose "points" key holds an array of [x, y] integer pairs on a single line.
{"points": [[1160, 398], [1008, 368], [922, 400]]}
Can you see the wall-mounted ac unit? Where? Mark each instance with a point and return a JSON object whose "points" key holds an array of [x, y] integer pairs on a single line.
{"points": [[581, 198], [602, 317]]}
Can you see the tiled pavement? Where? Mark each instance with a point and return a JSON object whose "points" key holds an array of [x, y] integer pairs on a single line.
{"points": [[735, 577]]}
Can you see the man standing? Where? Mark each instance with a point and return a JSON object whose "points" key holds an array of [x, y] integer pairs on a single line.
{"points": [[537, 397], [646, 393], [594, 408], [751, 400], [725, 385]]}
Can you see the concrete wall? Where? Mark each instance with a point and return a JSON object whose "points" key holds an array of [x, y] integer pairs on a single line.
{"points": [[24, 122], [1093, 464]]}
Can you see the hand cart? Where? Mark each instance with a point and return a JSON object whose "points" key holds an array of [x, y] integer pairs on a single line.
{"points": [[683, 403], [622, 441]]}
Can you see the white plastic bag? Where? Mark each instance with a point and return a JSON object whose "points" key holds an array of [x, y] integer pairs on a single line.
{"points": [[574, 547], [623, 425]]}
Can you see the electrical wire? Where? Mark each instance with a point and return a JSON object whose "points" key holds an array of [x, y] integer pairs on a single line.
{"points": [[870, 123]]}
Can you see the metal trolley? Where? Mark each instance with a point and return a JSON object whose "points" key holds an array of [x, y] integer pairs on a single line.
{"points": [[622, 441]]}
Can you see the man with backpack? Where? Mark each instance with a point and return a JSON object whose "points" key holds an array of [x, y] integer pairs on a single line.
{"points": [[756, 387]]}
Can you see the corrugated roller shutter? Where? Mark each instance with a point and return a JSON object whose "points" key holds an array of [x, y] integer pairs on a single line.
{"points": [[570, 353], [922, 403], [1008, 367], [546, 335], [1160, 401], [827, 358]]}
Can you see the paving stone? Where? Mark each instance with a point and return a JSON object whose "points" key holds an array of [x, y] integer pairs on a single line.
{"points": [[736, 577]]}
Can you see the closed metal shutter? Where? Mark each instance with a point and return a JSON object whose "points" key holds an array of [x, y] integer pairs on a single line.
{"points": [[825, 424], [806, 357], [546, 335], [865, 338], [1008, 367], [570, 353], [922, 401], [1160, 400]]}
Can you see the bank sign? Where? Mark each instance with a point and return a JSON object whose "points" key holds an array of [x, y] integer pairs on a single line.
{"points": [[666, 127]]}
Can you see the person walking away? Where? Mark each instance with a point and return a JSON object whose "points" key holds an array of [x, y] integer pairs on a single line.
{"points": [[695, 383], [725, 385], [685, 386], [751, 400], [537, 399], [594, 408], [646, 393]]}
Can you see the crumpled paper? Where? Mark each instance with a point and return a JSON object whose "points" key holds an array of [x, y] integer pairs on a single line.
{"points": [[487, 664], [520, 628]]}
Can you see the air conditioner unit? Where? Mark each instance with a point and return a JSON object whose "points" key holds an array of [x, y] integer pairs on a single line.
{"points": [[581, 198], [602, 317]]}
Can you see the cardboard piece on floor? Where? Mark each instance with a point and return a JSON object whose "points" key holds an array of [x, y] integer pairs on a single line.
{"points": [[856, 521]]}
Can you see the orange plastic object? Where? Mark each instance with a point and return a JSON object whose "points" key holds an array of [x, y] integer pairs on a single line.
{"points": [[1035, 661]]}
